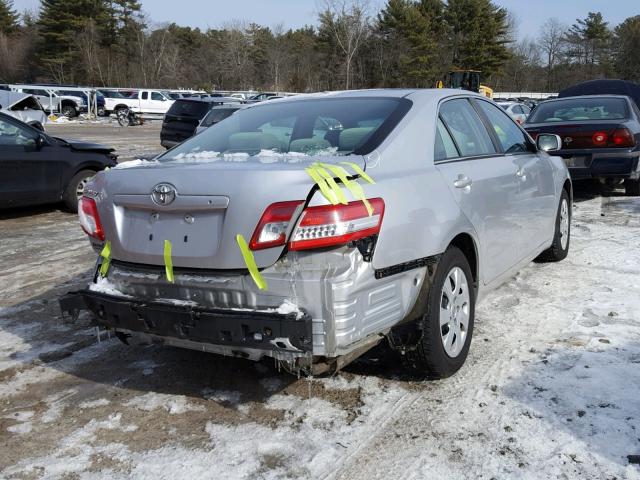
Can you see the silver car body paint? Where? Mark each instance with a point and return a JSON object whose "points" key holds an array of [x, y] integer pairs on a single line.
{"points": [[509, 215]]}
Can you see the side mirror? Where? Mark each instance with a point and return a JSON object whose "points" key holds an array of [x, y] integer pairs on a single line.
{"points": [[548, 142], [41, 141]]}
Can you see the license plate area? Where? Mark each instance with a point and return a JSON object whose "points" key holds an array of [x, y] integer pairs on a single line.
{"points": [[578, 161]]}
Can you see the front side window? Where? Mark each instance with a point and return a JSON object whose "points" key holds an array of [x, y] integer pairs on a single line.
{"points": [[467, 130], [14, 135], [338, 126], [512, 139], [157, 96]]}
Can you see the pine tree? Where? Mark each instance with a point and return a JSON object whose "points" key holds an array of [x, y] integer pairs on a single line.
{"points": [[627, 53], [60, 23], [8, 17], [413, 27], [477, 35], [589, 40]]}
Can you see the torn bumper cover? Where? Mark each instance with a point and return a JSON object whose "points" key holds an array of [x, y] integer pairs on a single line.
{"points": [[255, 329]]}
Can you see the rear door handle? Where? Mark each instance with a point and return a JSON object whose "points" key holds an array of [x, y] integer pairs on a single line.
{"points": [[463, 181]]}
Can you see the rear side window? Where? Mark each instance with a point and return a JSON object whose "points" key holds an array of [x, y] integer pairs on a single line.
{"points": [[580, 108], [217, 115], [512, 139], [445, 148], [188, 108], [467, 130], [144, 96]]}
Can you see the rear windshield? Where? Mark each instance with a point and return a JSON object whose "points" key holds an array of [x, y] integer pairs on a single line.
{"points": [[217, 115], [188, 108], [580, 108], [319, 126]]}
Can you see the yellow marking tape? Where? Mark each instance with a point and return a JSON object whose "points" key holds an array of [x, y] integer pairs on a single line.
{"points": [[106, 259], [168, 264], [359, 171], [332, 183], [251, 263], [326, 190], [354, 187]]}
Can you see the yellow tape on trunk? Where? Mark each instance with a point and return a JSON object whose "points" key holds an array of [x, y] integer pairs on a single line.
{"points": [[359, 171], [106, 259], [325, 189], [168, 263], [251, 263], [354, 187], [331, 182]]}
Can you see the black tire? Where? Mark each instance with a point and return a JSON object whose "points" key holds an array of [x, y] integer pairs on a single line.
{"points": [[122, 115], [557, 251], [430, 358], [101, 112], [71, 193], [69, 111], [632, 187]]}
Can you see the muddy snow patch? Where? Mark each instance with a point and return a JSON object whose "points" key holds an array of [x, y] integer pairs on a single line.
{"points": [[174, 404]]}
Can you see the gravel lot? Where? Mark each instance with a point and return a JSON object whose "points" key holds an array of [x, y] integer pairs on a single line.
{"points": [[550, 390]]}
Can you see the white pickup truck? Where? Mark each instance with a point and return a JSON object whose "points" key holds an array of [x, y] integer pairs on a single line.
{"points": [[144, 102]]}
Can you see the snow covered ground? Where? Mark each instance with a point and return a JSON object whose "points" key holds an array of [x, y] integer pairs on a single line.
{"points": [[551, 388]]}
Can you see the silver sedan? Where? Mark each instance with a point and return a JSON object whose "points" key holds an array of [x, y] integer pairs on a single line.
{"points": [[310, 229]]}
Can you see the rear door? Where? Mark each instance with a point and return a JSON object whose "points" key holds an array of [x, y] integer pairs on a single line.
{"points": [[482, 181], [535, 200]]}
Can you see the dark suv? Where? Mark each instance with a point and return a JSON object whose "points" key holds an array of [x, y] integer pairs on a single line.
{"points": [[184, 116]]}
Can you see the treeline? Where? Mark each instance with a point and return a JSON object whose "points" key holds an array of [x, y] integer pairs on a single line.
{"points": [[409, 43]]}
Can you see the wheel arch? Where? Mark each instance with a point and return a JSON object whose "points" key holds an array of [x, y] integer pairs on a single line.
{"points": [[467, 245]]}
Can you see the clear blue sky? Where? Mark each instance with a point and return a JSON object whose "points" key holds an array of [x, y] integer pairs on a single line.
{"points": [[530, 14]]}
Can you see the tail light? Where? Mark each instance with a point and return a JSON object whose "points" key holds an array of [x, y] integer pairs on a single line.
{"points": [[89, 218], [622, 137], [331, 225], [272, 227], [599, 139]]}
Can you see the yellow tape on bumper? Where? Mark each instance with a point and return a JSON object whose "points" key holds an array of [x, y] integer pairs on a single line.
{"points": [[251, 263], [168, 263], [106, 259]]}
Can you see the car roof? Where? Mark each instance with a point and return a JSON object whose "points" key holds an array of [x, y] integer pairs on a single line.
{"points": [[421, 93]]}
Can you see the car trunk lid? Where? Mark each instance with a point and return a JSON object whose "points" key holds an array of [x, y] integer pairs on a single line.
{"points": [[199, 207], [579, 135]]}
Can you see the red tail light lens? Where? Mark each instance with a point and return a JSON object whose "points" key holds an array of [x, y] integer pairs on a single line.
{"points": [[272, 227], [332, 225], [89, 218], [599, 139], [622, 137]]}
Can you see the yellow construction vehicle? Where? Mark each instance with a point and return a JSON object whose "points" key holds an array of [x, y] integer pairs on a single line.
{"points": [[466, 80]]}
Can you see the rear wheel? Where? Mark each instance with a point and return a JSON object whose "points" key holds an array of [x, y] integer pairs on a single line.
{"points": [[447, 326], [75, 189], [560, 247], [69, 111], [632, 187]]}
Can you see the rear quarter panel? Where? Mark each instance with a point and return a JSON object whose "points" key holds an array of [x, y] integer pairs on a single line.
{"points": [[421, 216]]}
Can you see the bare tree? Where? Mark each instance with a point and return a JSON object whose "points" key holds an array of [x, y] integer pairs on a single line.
{"points": [[277, 54], [348, 21], [551, 42]]}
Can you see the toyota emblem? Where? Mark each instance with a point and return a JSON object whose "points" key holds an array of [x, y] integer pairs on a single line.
{"points": [[163, 194]]}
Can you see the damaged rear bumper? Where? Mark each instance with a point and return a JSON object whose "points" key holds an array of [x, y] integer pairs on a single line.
{"points": [[289, 333]]}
